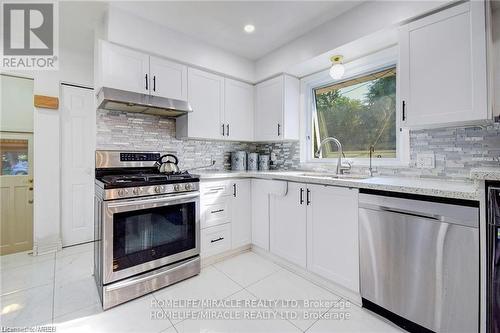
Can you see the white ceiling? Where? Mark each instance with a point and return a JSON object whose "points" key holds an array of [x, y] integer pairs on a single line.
{"points": [[221, 23]]}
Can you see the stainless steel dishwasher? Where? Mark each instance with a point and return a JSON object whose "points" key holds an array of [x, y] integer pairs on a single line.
{"points": [[419, 262]]}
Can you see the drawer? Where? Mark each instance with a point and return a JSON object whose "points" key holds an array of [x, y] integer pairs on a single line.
{"points": [[215, 240], [215, 212], [213, 189]]}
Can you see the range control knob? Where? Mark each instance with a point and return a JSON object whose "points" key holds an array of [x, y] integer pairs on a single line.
{"points": [[157, 189], [136, 191], [178, 187], [188, 187], [122, 192]]}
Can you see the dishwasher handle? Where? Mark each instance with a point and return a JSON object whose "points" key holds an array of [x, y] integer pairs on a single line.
{"points": [[405, 212]]}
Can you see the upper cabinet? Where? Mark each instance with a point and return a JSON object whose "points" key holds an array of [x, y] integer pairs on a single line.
{"points": [[443, 68], [168, 78], [126, 69], [238, 110], [277, 109], [123, 68], [206, 96], [222, 108]]}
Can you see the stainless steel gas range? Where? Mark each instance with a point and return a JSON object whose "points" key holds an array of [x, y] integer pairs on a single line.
{"points": [[147, 226]]}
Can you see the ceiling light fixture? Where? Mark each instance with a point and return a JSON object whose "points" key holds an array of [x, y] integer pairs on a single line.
{"points": [[249, 28], [337, 70]]}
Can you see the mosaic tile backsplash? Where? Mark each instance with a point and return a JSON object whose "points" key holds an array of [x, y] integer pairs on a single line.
{"points": [[456, 150]]}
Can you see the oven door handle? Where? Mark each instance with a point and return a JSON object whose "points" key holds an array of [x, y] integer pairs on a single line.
{"points": [[153, 201]]}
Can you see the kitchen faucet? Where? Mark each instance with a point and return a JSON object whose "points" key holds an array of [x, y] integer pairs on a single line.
{"points": [[340, 168]]}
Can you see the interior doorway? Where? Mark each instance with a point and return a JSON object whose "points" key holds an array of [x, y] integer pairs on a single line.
{"points": [[16, 164]]}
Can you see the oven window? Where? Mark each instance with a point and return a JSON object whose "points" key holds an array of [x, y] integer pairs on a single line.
{"points": [[144, 235]]}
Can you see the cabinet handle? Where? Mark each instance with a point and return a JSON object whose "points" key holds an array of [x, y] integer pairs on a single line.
{"points": [[227, 132], [404, 111], [308, 197], [217, 211], [146, 81], [154, 83], [216, 240], [279, 129], [301, 196], [223, 130], [234, 190]]}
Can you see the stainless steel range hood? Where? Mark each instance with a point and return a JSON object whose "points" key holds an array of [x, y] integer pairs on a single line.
{"points": [[121, 100]]}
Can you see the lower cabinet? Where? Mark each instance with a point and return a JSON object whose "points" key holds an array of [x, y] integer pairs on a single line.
{"points": [[226, 215], [288, 224], [260, 213], [332, 234], [241, 213]]}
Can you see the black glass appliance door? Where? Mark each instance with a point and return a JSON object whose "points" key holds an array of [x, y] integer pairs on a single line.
{"points": [[141, 236]]}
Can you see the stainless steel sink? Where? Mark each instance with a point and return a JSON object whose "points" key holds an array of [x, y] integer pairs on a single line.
{"points": [[332, 175]]}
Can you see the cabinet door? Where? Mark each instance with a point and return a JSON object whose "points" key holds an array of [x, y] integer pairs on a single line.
{"points": [[168, 79], [288, 224], [260, 213], [122, 68], [332, 234], [241, 220], [238, 110], [269, 110], [443, 67], [206, 96]]}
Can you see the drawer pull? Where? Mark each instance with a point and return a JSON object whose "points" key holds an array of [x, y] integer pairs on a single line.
{"points": [[216, 240], [217, 211]]}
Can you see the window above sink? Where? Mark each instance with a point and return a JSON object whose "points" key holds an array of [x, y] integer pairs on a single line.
{"points": [[360, 110]]}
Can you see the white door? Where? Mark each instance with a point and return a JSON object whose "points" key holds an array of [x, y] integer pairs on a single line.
{"points": [[168, 79], [241, 221], [123, 68], [288, 224], [260, 213], [443, 67], [238, 110], [78, 149], [269, 110], [206, 96], [16, 192], [332, 234]]}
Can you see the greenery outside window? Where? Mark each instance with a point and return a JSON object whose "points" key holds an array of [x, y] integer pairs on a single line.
{"points": [[361, 113]]}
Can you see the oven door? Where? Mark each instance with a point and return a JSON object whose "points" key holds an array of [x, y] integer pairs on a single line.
{"points": [[142, 234]]}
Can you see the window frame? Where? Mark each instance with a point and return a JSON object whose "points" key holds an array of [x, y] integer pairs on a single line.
{"points": [[357, 68]]}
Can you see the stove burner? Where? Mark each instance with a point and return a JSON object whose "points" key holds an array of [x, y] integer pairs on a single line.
{"points": [[144, 179]]}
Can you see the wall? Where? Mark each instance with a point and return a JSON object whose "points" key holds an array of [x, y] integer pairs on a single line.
{"points": [[360, 21], [496, 59], [122, 131], [126, 29]]}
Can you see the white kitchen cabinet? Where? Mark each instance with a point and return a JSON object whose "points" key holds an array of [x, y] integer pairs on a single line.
{"points": [[168, 78], [443, 70], [238, 110], [215, 240], [206, 96], [332, 234], [123, 68], [241, 213], [260, 213], [126, 69], [277, 109], [288, 224]]}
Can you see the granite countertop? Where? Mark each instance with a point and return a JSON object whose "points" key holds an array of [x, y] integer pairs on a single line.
{"points": [[439, 188], [485, 173]]}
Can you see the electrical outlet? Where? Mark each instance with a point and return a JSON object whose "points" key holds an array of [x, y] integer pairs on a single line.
{"points": [[273, 156], [426, 161]]}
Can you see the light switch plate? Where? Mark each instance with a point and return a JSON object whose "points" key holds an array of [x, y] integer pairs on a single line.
{"points": [[426, 161]]}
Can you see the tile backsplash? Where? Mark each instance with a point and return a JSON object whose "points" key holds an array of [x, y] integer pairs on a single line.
{"points": [[456, 150], [127, 131]]}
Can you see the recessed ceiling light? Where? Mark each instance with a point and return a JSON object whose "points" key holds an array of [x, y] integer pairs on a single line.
{"points": [[249, 28]]}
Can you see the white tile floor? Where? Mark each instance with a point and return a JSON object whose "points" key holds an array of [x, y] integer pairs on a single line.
{"points": [[58, 289]]}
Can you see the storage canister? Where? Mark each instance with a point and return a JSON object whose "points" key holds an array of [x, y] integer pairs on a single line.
{"points": [[253, 162], [239, 160], [263, 162]]}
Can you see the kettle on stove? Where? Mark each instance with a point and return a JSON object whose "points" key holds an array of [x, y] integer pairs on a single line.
{"points": [[168, 166]]}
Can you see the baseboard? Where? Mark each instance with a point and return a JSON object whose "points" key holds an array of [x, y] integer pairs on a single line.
{"points": [[207, 261], [45, 246], [335, 288]]}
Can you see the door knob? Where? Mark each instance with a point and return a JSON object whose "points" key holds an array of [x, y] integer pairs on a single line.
{"points": [[30, 201]]}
